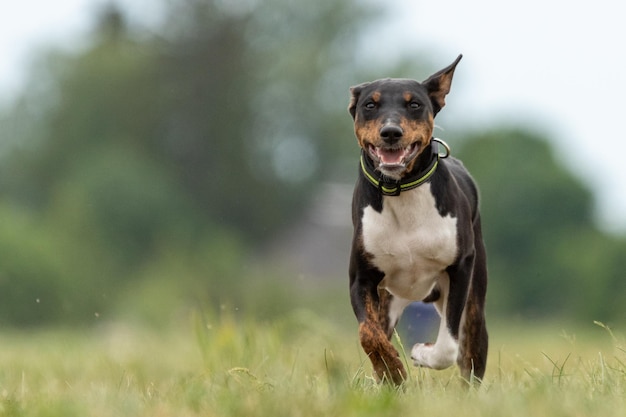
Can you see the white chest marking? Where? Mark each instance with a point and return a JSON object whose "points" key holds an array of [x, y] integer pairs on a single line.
{"points": [[411, 243]]}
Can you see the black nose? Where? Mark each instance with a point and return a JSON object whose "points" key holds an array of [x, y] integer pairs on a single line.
{"points": [[391, 133]]}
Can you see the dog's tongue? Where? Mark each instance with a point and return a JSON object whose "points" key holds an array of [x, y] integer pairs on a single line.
{"points": [[390, 156]]}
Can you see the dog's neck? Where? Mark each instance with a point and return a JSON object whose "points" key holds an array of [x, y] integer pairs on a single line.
{"points": [[424, 167]]}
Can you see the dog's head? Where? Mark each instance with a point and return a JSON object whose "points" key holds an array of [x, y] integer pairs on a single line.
{"points": [[394, 118]]}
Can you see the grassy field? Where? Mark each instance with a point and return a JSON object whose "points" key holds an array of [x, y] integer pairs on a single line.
{"points": [[302, 365]]}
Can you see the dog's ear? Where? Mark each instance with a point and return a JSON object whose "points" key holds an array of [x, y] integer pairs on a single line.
{"points": [[355, 93], [438, 85]]}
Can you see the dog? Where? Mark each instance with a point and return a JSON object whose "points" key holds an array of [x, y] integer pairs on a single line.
{"points": [[417, 230]]}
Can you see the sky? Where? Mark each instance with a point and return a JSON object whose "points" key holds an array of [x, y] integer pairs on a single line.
{"points": [[21, 30], [557, 67], [553, 66]]}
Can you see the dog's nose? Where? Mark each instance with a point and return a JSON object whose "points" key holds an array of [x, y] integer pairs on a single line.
{"points": [[391, 133]]}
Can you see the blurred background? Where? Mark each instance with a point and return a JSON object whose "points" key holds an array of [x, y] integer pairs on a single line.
{"points": [[158, 157]]}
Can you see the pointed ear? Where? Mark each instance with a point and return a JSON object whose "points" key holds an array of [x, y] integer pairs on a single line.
{"points": [[438, 85], [355, 94]]}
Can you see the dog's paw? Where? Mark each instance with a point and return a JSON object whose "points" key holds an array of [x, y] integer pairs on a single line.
{"points": [[433, 356]]}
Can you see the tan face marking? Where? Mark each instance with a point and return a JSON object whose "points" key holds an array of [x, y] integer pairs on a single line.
{"points": [[368, 133], [417, 130]]}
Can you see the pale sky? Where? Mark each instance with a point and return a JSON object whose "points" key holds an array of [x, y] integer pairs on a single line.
{"points": [[554, 66], [26, 24]]}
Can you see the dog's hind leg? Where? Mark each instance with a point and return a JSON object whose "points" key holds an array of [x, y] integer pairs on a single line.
{"points": [[474, 339], [472, 359]]}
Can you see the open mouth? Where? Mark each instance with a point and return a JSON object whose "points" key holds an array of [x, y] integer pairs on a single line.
{"points": [[392, 158]]}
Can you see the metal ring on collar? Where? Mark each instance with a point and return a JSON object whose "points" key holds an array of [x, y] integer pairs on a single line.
{"points": [[446, 147]]}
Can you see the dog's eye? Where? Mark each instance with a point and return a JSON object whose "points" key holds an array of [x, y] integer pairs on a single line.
{"points": [[370, 105], [414, 105]]}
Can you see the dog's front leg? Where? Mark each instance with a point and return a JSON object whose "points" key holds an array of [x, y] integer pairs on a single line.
{"points": [[374, 324]]}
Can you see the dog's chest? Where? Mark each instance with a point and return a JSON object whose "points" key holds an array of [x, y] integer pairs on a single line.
{"points": [[410, 242]]}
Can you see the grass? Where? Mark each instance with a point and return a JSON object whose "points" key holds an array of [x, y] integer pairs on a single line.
{"points": [[301, 365]]}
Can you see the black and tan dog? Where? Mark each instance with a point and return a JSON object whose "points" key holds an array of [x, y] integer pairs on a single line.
{"points": [[417, 233]]}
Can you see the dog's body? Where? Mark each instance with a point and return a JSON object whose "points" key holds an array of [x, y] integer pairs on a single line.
{"points": [[417, 233]]}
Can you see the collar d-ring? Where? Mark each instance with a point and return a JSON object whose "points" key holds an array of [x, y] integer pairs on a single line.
{"points": [[445, 146]]}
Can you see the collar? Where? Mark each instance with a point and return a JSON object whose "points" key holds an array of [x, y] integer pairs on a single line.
{"points": [[391, 187]]}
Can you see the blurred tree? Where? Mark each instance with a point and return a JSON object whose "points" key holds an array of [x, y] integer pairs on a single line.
{"points": [[231, 105], [161, 159], [144, 145], [546, 255], [250, 112]]}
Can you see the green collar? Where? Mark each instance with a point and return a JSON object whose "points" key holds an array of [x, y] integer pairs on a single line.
{"points": [[392, 187]]}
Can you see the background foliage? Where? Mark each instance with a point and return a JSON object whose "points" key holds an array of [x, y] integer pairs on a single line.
{"points": [[148, 172]]}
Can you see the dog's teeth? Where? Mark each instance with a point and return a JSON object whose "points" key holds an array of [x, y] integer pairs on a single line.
{"points": [[391, 156]]}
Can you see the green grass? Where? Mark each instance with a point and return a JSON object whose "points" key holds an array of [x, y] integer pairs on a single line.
{"points": [[301, 365]]}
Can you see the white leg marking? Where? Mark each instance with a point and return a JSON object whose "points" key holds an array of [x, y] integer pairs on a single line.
{"points": [[444, 352], [396, 308]]}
